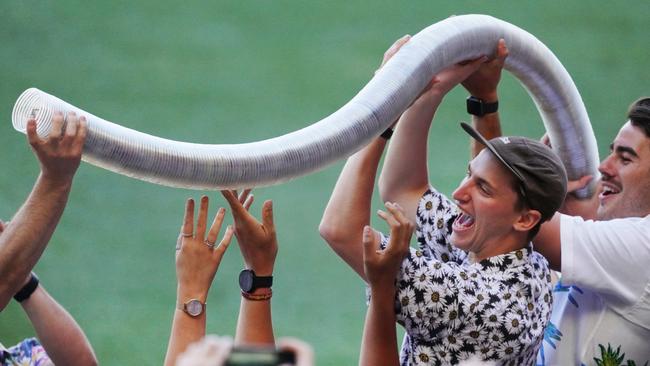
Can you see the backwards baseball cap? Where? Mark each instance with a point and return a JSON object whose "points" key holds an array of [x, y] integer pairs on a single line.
{"points": [[540, 172]]}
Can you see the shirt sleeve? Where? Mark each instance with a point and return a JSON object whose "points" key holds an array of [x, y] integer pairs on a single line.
{"points": [[434, 218], [607, 257]]}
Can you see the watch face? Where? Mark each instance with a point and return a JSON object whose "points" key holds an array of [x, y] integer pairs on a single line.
{"points": [[246, 280], [194, 307]]}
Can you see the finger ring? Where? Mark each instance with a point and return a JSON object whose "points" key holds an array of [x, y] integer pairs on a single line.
{"points": [[185, 235], [210, 245]]}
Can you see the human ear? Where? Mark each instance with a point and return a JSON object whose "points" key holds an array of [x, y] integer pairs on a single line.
{"points": [[527, 220]]}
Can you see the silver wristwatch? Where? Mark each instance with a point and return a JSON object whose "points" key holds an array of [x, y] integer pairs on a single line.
{"points": [[193, 307]]}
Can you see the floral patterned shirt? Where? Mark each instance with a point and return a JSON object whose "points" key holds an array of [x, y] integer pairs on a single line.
{"points": [[454, 308], [26, 353]]}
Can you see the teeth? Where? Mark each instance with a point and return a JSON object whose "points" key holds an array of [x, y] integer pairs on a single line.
{"points": [[465, 220], [609, 190]]}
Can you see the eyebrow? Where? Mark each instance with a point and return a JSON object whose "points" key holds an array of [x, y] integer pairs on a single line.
{"points": [[623, 149]]}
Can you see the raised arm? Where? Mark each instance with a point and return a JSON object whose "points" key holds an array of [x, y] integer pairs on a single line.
{"points": [[348, 209], [548, 241], [197, 261], [26, 236], [259, 247], [482, 84], [60, 335], [404, 177], [379, 343]]}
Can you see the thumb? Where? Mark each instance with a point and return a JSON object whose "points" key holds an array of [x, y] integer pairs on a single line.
{"points": [[368, 242]]}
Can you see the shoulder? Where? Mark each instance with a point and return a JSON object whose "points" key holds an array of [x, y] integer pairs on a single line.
{"points": [[433, 199], [642, 223], [630, 230], [435, 210]]}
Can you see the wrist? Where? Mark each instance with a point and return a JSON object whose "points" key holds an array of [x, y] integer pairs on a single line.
{"points": [[382, 287], [28, 288], [382, 293], [387, 134], [258, 295], [489, 97], [194, 307], [251, 282], [479, 107], [55, 183], [262, 270], [185, 293]]}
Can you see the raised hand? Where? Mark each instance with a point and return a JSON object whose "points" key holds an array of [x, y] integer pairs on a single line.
{"points": [[381, 265], [257, 241], [483, 82], [392, 50], [197, 254], [60, 153]]}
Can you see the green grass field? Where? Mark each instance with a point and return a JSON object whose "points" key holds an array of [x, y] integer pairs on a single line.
{"points": [[230, 72]]}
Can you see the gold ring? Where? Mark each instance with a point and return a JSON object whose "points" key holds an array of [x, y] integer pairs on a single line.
{"points": [[185, 235]]}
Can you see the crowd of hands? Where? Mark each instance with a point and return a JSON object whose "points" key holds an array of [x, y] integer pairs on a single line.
{"points": [[200, 248], [201, 245]]}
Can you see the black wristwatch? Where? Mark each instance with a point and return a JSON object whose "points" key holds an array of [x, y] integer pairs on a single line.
{"points": [[478, 107], [28, 289], [249, 282]]}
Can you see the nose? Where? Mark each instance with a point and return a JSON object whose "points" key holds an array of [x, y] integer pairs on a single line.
{"points": [[606, 167], [461, 194]]}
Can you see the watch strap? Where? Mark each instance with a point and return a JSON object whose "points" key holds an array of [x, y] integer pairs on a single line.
{"points": [[27, 290], [263, 281], [478, 107], [386, 135]]}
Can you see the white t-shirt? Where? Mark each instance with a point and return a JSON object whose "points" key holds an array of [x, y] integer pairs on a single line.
{"points": [[603, 298]]}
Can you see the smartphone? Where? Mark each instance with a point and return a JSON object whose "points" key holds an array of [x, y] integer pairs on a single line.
{"points": [[260, 356]]}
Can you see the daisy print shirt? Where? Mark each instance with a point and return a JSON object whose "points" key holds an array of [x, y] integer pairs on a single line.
{"points": [[454, 308]]}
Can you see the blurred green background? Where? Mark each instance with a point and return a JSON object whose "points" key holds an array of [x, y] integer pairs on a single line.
{"points": [[241, 71]]}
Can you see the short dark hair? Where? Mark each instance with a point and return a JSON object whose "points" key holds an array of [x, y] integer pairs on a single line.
{"points": [[639, 114]]}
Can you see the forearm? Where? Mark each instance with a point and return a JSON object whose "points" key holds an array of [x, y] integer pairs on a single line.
{"points": [[379, 343], [185, 331], [489, 126], [255, 325], [404, 176], [348, 209], [27, 235], [586, 208], [63, 339]]}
